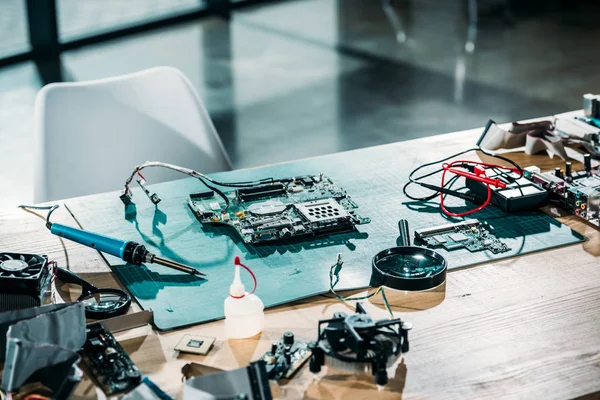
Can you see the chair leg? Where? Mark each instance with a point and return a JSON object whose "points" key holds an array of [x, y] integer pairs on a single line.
{"points": [[472, 29], [394, 20]]}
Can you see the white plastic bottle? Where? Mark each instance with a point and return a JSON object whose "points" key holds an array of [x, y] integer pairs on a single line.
{"points": [[244, 312]]}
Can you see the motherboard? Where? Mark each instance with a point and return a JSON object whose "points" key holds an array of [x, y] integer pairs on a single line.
{"points": [[577, 192], [281, 209]]}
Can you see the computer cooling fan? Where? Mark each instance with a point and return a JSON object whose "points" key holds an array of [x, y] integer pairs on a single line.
{"points": [[24, 279], [359, 344]]}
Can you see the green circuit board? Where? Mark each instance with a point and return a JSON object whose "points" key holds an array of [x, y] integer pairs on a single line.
{"points": [[281, 209], [470, 234]]}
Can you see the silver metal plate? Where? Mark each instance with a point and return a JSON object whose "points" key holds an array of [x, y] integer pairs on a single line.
{"points": [[322, 210], [268, 207]]}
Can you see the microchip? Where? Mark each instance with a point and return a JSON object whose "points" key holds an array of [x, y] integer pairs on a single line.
{"points": [[215, 206], [458, 237], [440, 239], [195, 344]]}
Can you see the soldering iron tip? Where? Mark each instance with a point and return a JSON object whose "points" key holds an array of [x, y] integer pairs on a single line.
{"points": [[199, 273]]}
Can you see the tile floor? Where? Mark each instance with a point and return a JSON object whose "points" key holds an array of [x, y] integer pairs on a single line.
{"points": [[301, 78]]}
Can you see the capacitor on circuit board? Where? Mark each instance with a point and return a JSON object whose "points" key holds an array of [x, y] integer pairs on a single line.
{"points": [[557, 172], [587, 162]]}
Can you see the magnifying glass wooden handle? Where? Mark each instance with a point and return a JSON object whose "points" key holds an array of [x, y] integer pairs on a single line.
{"points": [[404, 233]]}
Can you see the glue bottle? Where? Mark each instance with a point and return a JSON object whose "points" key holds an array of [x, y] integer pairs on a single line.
{"points": [[244, 312]]}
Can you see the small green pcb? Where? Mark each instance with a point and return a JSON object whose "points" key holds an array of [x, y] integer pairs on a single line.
{"points": [[469, 234]]}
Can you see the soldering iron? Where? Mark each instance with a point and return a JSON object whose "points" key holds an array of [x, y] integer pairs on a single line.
{"points": [[127, 251]]}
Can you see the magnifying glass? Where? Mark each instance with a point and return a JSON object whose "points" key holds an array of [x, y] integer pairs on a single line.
{"points": [[408, 267], [99, 303]]}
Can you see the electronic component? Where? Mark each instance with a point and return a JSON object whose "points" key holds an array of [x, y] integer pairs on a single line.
{"points": [[260, 192], [469, 234], [126, 198], [107, 362], [282, 209], [195, 344], [577, 192], [153, 197], [518, 194], [266, 209], [358, 343], [202, 195], [591, 105], [286, 356], [24, 280]]}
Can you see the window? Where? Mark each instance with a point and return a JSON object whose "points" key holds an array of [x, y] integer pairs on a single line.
{"points": [[81, 18], [14, 38]]}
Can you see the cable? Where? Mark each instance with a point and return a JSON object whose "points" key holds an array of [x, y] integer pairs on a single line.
{"points": [[51, 208], [195, 174], [337, 267], [452, 214], [433, 196], [445, 188], [192, 173], [217, 191], [436, 189]]}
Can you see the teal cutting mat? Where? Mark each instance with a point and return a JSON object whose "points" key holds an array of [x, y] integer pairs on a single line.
{"points": [[373, 178]]}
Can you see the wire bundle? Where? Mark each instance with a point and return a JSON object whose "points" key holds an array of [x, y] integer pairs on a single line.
{"points": [[334, 272], [470, 170], [194, 174]]}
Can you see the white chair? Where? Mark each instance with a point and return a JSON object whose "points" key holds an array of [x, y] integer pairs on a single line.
{"points": [[90, 135]]}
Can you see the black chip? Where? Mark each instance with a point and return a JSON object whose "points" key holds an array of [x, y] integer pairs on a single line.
{"points": [[202, 195]]}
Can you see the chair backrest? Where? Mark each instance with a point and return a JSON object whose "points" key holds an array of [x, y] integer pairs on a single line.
{"points": [[90, 135]]}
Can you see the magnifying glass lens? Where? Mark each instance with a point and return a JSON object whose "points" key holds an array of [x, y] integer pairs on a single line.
{"points": [[409, 265], [103, 301]]}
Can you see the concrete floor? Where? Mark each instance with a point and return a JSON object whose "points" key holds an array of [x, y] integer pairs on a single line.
{"points": [[309, 77]]}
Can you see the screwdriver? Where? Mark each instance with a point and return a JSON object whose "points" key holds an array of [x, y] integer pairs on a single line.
{"points": [[127, 251]]}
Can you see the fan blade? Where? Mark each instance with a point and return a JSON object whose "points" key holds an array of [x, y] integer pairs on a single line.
{"points": [[22, 257], [9, 257], [35, 264]]}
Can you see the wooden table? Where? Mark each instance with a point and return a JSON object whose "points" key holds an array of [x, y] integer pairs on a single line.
{"points": [[524, 327]]}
